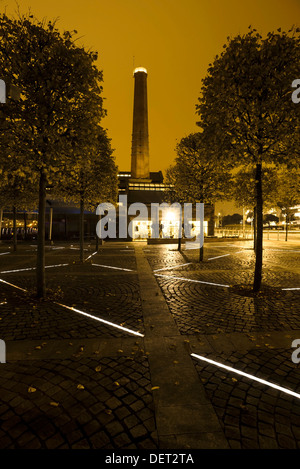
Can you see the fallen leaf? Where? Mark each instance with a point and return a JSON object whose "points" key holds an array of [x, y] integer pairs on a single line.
{"points": [[98, 368], [108, 411], [80, 386], [54, 404], [116, 383], [38, 347], [31, 389], [234, 380], [154, 388]]}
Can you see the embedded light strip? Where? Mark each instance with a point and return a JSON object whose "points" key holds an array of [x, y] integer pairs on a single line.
{"points": [[17, 270], [224, 255], [91, 255], [3, 253], [172, 267], [298, 288], [31, 268], [111, 267], [55, 247], [247, 375], [282, 250], [191, 280], [218, 257], [101, 320], [3, 303], [12, 285]]}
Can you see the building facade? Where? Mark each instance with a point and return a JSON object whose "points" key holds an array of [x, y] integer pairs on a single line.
{"points": [[141, 185]]}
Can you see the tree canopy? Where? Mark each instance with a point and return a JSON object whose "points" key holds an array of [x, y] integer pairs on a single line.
{"points": [[246, 111]]}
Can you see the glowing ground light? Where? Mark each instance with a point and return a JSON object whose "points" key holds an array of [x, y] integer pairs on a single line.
{"points": [[218, 257], [298, 288], [111, 267], [31, 268], [12, 285], [191, 280], [91, 255], [3, 253], [172, 267], [101, 320], [224, 255], [3, 303], [247, 375], [17, 270]]}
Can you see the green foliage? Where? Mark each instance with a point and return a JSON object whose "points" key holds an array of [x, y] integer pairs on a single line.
{"points": [[55, 77], [47, 133], [195, 176], [92, 177], [245, 106], [243, 188]]}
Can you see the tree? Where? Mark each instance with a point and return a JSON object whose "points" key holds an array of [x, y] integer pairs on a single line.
{"points": [[17, 194], [195, 176], [93, 178], [246, 110], [288, 194], [54, 76], [243, 190]]}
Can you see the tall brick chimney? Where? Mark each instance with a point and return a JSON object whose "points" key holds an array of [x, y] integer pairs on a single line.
{"points": [[140, 137]]}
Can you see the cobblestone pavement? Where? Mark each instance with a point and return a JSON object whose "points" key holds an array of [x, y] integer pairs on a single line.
{"points": [[73, 382], [77, 403], [208, 308], [252, 414]]}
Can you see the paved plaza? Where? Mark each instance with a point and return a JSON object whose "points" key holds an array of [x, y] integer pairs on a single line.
{"points": [[106, 362]]}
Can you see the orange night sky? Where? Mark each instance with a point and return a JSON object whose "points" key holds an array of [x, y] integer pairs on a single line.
{"points": [[174, 39]]}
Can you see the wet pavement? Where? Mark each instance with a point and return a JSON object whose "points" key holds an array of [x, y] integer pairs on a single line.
{"points": [[128, 381]]}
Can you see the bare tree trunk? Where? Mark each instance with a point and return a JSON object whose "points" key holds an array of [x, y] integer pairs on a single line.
{"points": [[81, 229], [14, 228], [201, 253], [286, 227], [179, 231], [259, 229], [40, 265]]}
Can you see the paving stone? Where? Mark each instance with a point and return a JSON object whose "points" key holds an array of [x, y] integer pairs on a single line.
{"points": [[250, 414]]}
